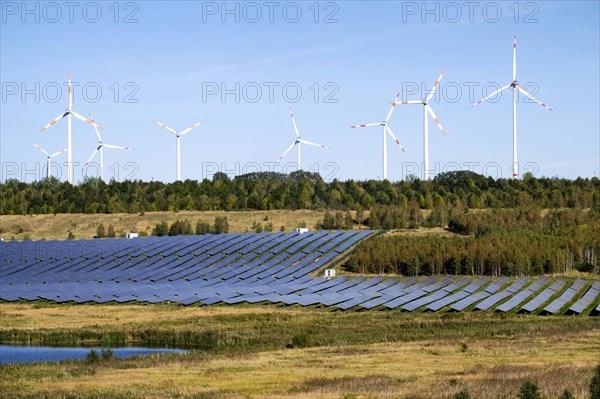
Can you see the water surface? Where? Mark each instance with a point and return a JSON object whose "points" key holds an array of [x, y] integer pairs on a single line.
{"points": [[30, 354]]}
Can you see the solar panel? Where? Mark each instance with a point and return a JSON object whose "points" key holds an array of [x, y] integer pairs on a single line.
{"points": [[543, 296], [587, 299], [413, 305], [235, 268], [515, 300], [470, 300], [556, 305], [443, 302]]}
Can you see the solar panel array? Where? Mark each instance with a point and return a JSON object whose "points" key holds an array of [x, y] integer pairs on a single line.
{"points": [[258, 268]]}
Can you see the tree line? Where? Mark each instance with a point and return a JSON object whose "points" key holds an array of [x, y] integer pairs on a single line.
{"points": [[298, 190], [184, 227], [500, 242]]}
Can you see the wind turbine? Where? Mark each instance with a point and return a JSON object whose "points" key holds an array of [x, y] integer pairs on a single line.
{"points": [[100, 148], [48, 156], [178, 135], [68, 112], [515, 87], [427, 110], [298, 141], [387, 129]]}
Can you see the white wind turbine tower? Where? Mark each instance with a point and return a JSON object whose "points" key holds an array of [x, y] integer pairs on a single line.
{"points": [[427, 111], [386, 129], [299, 140], [100, 148], [48, 157], [68, 112], [178, 135], [515, 87]]}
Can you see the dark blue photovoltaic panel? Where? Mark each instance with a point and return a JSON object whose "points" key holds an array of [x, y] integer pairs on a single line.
{"points": [[470, 300], [587, 299], [543, 296], [251, 268], [556, 305]]}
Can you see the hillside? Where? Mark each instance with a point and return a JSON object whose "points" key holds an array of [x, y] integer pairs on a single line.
{"points": [[83, 226]]}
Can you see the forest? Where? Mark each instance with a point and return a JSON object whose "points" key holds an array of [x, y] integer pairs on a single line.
{"points": [[521, 241], [298, 190]]}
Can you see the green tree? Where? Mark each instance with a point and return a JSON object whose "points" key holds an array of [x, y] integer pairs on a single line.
{"points": [[464, 394], [100, 231], [161, 229], [111, 231], [202, 227], [529, 390], [221, 225], [567, 394], [92, 356]]}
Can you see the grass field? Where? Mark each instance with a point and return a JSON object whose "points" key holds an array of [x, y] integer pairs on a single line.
{"points": [[83, 226], [248, 352]]}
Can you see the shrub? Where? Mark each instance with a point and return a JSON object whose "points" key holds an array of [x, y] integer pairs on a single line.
{"points": [[100, 231], [92, 357], [111, 231], [302, 340], [566, 395], [107, 354], [464, 394], [529, 390]]}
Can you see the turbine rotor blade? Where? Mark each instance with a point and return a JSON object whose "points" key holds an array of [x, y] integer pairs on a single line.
{"points": [[394, 137], [435, 119], [286, 151], [408, 102], [294, 122], [366, 124], [96, 129], [86, 120], [533, 98], [57, 153], [41, 149], [490, 95], [387, 118], [166, 127], [195, 125], [515, 59], [314, 144], [54, 121], [117, 147], [92, 156], [435, 86]]}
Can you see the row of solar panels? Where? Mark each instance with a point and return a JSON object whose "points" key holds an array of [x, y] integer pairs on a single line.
{"points": [[254, 268], [208, 257], [411, 294]]}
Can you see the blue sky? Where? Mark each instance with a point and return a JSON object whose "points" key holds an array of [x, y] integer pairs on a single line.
{"points": [[162, 64]]}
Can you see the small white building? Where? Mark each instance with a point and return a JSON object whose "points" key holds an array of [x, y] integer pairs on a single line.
{"points": [[302, 230], [329, 273], [133, 235]]}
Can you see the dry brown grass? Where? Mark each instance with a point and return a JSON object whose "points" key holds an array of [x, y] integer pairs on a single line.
{"points": [[488, 368], [361, 359], [83, 226]]}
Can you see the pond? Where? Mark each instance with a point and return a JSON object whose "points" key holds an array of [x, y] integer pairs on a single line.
{"points": [[29, 354]]}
